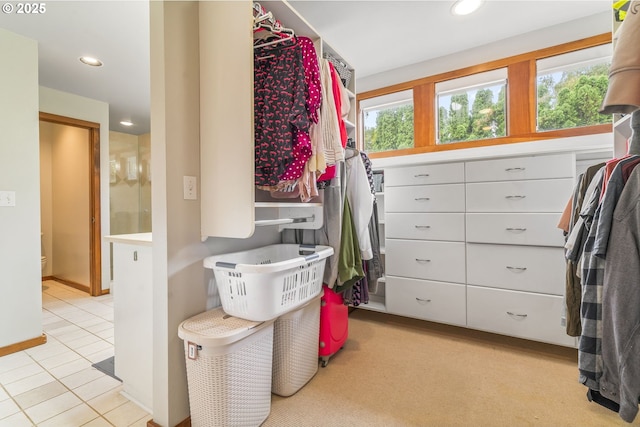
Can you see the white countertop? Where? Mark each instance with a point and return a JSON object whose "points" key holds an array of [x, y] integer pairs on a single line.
{"points": [[596, 142], [133, 239]]}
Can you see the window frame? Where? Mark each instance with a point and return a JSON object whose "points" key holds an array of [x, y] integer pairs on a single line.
{"points": [[381, 102], [521, 101]]}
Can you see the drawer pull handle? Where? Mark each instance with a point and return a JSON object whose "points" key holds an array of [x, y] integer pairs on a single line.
{"points": [[522, 316], [514, 169], [515, 197], [515, 229], [420, 300], [420, 175], [517, 268], [422, 260], [421, 198], [422, 226]]}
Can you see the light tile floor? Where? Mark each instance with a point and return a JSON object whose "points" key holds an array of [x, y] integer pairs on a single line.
{"points": [[54, 384]]}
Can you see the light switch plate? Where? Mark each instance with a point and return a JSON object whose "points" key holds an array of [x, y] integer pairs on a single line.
{"points": [[190, 188], [7, 198]]}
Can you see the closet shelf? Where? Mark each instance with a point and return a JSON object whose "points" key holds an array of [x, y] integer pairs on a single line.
{"points": [[286, 205], [623, 126], [289, 215], [282, 221]]}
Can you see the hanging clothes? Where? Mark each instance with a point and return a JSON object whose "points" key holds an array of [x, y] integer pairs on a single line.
{"points": [[620, 379], [617, 316], [604, 363], [281, 117], [574, 244]]}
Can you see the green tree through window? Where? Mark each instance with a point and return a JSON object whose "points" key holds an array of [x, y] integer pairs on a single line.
{"points": [[572, 98], [393, 129], [485, 118]]}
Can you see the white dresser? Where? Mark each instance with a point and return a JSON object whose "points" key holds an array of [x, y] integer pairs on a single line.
{"points": [[515, 262], [425, 249], [472, 237]]}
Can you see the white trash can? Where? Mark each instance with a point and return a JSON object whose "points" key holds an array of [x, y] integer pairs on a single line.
{"points": [[295, 348], [229, 369]]}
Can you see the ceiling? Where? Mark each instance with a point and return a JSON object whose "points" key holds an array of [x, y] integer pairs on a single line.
{"points": [[374, 36]]}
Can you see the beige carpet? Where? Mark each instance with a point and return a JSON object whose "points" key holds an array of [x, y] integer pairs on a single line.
{"points": [[395, 371]]}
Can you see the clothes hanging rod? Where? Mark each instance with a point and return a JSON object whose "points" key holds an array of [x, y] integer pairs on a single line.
{"points": [[281, 221]]}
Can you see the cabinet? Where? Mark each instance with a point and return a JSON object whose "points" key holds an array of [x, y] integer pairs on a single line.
{"points": [[230, 206], [515, 283], [485, 253], [133, 316], [425, 242]]}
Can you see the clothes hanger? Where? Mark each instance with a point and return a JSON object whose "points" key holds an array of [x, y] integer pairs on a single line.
{"points": [[282, 35], [355, 153]]}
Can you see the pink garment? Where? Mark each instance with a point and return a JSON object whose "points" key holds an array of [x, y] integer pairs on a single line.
{"points": [[337, 96], [301, 154], [312, 77], [302, 146]]}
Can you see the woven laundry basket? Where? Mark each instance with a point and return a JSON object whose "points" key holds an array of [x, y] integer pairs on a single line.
{"points": [[295, 348], [229, 369]]}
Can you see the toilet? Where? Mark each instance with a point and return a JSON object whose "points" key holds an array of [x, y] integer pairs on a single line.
{"points": [[43, 259]]}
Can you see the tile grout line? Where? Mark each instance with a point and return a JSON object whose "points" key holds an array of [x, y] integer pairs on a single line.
{"points": [[100, 415]]}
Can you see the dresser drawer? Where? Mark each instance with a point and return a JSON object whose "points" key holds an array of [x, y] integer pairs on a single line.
{"points": [[423, 299], [443, 261], [425, 226], [519, 168], [518, 314], [548, 195], [537, 229], [424, 174], [522, 268], [425, 198]]}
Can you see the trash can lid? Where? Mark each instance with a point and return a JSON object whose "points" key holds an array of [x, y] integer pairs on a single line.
{"points": [[217, 328]]}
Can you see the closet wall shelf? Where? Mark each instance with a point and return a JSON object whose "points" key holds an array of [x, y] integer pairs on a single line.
{"points": [[289, 215], [623, 126], [286, 205], [282, 221]]}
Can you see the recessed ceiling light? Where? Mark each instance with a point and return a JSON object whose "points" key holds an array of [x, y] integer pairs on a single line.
{"points": [[126, 123], [465, 7], [94, 62]]}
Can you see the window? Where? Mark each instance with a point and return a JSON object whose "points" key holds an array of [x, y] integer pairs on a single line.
{"points": [[472, 107], [547, 93], [571, 87], [387, 122]]}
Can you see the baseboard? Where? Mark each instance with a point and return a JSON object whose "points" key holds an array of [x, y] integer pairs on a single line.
{"points": [[184, 423], [74, 285], [23, 345], [47, 278]]}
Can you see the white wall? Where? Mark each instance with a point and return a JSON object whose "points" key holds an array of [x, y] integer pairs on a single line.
{"points": [[69, 105], [20, 283], [551, 36], [182, 287]]}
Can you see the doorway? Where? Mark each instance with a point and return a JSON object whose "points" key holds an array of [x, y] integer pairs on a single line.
{"points": [[84, 219]]}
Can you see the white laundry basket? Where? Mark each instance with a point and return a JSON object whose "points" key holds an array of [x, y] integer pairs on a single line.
{"points": [[264, 283], [229, 369], [295, 348]]}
